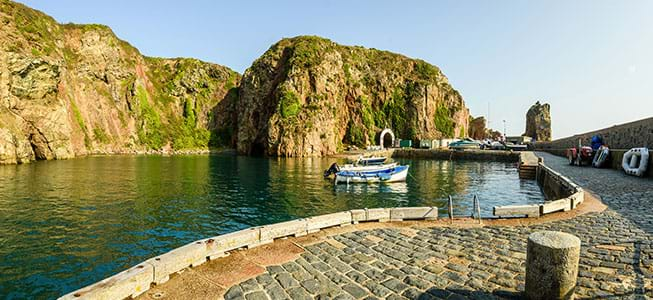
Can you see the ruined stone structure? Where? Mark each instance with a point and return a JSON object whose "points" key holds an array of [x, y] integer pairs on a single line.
{"points": [[538, 122]]}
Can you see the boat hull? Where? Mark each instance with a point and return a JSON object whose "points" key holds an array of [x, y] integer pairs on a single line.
{"points": [[396, 174]]}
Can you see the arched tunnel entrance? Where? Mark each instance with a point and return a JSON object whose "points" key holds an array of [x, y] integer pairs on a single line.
{"points": [[386, 138]]}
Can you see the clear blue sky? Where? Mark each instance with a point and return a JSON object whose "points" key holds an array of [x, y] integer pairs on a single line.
{"points": [[591, 60]]}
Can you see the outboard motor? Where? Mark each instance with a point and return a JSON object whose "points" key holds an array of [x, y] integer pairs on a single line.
{"points": [[332, 170]]}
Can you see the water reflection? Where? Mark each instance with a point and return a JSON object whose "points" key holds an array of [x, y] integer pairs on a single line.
{"points": [[66, 224], [397, 188]]}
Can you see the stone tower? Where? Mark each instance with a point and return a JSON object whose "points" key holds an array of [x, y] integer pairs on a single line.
{"points": [[538, 122]]}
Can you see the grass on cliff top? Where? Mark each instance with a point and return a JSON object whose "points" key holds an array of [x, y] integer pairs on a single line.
{"points": [[39, 29], [307, 51], [106, 31]]}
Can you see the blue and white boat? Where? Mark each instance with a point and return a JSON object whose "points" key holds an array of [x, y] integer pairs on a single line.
{"points": [[394, 174], [335, 168]]}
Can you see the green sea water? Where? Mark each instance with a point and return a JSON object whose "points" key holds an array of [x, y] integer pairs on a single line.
{"points": [[67, 224]]}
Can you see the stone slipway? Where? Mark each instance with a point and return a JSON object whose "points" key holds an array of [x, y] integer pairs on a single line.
{"points": [[441, 259]]}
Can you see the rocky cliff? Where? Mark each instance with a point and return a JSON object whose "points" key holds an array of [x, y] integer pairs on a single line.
{"points": [[68, 90], [538, 122], [308, 96], [477, 128], [479, 131]]}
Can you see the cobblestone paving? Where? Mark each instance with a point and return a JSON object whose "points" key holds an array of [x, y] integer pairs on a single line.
{"points": [[476, 263]]}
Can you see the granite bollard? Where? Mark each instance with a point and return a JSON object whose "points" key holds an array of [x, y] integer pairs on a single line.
{"points": [[551, 265]]}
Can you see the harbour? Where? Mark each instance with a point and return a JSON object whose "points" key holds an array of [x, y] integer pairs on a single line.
{"points": [[329, 150], [96, 216]]}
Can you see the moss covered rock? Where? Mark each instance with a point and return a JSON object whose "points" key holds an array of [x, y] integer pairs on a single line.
{"points": [[308, 96]]}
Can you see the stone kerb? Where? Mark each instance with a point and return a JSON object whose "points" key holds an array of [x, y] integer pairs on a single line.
{"points": [[295, 228], [193, 254], [157, 270], [413, 213], [314, 224], [129, 283], [557, 205], [370, 214], [530, 211], [545, 176]]}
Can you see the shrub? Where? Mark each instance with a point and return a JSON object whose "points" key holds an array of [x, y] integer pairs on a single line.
{"points": [[289, 105], [443, 121]]}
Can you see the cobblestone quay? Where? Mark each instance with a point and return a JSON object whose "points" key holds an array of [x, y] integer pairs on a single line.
{"points": [[488, 262]]}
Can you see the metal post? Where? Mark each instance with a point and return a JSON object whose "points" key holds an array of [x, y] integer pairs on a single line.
{"points": [[474, 207], [450, 208], [478, 209]]}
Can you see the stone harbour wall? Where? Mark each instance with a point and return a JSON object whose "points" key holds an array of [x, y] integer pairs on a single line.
{"points": [[625, 136], [614, 159], [561, 193], [483, 155], [620, 138]]}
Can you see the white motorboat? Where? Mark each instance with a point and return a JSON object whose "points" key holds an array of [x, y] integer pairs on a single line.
{"points": [[394, 174], [335, 168], [371, 160]]}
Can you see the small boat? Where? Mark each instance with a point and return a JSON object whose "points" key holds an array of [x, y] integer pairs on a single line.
{"points": [[335, 168], [634, 162], [394, 174], [371, 160], [465, 144]]}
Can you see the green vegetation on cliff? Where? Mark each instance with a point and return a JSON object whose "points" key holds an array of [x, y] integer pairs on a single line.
{"points": [[116, 99], [289, 104], [361, 92], [150, 130], [443, 120], [197, 127], [304, 96]]}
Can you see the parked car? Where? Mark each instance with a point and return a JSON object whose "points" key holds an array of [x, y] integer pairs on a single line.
{"points": [[466, 143], [497, 146]]}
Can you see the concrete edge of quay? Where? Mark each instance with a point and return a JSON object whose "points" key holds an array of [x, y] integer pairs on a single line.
{"points": [[157, 270]]}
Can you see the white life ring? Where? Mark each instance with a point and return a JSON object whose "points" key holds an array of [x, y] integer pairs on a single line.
{"points": [[635, 161], [601, 156]]}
